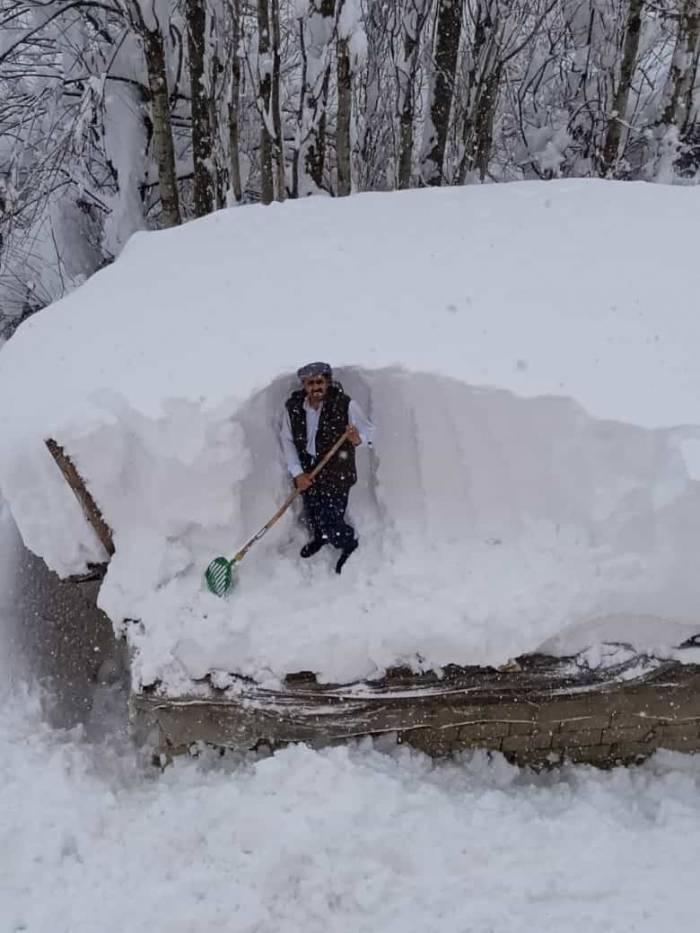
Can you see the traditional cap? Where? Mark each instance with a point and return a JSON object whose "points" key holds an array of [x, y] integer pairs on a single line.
{"points": [[315, 369]]}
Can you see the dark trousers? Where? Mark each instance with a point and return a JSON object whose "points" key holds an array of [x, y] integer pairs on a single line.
{"points": [[324, 514]]}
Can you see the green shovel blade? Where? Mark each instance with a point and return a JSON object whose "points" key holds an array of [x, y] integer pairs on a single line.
{"points": [[219, 576]]}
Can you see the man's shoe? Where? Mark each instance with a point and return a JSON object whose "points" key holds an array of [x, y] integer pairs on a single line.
{"points": [[346, 552], [312, 547]]}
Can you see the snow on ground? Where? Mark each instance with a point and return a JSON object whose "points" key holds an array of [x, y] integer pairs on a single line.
{"points": [[357, 838], [338, 840], [528, 355]]}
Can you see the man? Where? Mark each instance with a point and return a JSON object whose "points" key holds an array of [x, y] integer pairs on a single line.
{"points": [[315, 417]]}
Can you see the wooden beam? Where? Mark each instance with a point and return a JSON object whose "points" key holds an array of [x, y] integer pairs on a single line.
{"points": [[87, 503]]}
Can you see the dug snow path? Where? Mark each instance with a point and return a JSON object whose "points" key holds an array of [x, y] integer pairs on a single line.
{"points": [[339, 840]]}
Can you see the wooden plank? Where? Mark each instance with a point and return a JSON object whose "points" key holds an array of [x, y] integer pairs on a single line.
{"points": [[87, 503]]}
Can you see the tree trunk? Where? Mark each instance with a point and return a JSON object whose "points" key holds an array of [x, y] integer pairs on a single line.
{"points": [[316, 152], [318, 31], [611, 147], [201, 127], [234, 105], [296, 155], [483, 92], [219, 171], [449, 27], [411, 27], [276, 109], [481, 99], [267, 192], [342, 137], [154, 49], [478, 152], [684, 67]]}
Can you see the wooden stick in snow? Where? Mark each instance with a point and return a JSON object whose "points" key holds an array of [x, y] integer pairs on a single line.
{"points": [[87, 503]]}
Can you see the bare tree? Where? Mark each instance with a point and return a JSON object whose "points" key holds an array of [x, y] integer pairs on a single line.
{"points": [[342, 133], [150, 31], [486, 60], [412, 15], [234, 100], [376, 106], [618, 115], [267, 187], [202, 142], [276, 110], [449, 28], [684, 67], [317, 26], [344, 112]]}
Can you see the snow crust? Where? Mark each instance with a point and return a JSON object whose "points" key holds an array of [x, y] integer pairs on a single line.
{"points": [[527, 352]]}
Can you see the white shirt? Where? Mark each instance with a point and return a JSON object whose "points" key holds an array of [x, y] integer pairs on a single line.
{"points": [[356, 417]]}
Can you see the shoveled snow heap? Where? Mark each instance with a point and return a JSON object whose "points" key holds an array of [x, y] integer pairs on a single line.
{"points": [[528, 353]]}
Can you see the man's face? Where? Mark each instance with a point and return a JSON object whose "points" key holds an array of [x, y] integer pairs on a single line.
{"points": [[316, 388]]}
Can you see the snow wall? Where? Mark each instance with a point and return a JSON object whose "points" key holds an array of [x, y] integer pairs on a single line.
{"points": [[525, 351]]}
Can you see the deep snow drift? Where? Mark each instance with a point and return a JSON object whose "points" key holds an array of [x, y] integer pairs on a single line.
{"points": [[526, 351]]}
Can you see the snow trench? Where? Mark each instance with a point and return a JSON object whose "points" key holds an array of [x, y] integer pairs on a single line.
{"points": [[488, 524]]}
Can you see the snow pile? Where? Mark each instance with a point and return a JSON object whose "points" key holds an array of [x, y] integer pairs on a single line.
{"points": [[526, 351], [352, 838], [344, 839]]}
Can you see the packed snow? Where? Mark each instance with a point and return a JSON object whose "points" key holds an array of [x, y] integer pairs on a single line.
{"points": [[527, 353]]}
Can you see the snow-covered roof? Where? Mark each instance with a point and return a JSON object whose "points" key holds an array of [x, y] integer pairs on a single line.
{"points": [[522, 348]]}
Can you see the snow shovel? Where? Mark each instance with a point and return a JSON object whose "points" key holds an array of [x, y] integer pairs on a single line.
{"points": [[219, 575]]}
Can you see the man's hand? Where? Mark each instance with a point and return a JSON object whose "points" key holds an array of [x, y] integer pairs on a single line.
{"points": [[354, 435], [302, 481]]}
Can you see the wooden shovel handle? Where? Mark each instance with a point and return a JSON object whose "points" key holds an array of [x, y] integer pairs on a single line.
{"points": [[290, 498]]}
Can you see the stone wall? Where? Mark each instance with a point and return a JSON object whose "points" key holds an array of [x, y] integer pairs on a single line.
{"points": [[538, 713], [604, 727]]}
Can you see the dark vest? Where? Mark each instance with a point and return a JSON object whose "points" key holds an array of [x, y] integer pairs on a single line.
{"points": [[340, 469]]}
